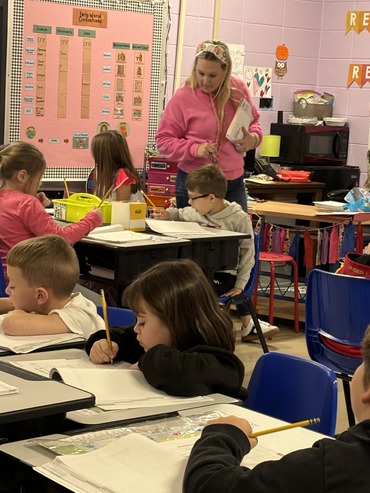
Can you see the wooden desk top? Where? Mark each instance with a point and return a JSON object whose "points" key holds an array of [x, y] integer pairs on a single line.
{"points": [[300, 211], [283, 185]]}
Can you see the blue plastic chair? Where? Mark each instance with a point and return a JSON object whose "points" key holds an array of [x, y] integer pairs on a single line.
{"points": [[2, 283], [118, 316], [247, 294], [293, 389], [337, 315]]}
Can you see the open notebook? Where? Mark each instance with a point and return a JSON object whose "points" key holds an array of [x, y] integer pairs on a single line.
{"points": [[115, 233], [121, 388]]}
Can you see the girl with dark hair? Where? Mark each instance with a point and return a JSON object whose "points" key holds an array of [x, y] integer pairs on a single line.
{"points": [[182, 341]]}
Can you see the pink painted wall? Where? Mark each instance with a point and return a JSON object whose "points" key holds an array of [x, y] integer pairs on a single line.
{"points": [[319, 52]]}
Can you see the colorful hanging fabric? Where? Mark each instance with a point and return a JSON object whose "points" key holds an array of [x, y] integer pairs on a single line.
{"points": [[318, 251], [286, 242], [308, 251], [348, 243], [359, 238], [270, 237], [340, 237], [325, 247], [294, 246], [276, 241], [258, 226], [333, 245], [266, 234]]}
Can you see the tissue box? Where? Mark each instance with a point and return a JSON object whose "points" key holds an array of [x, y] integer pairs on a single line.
{"points": [[78, 205], [131, 215]]}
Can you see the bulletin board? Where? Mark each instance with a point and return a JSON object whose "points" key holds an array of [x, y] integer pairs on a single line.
{"points": [[80, 67]]}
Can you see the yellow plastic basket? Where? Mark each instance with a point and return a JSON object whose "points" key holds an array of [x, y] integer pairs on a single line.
{"points": [[78, 205]]}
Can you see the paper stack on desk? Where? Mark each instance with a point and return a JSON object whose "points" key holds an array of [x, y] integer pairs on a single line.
{"points": [[330, 205], [131, 463], [114, 233], [176, 228]]}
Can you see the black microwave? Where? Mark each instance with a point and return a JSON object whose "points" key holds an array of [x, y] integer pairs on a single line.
{"points": [[311, 144]]}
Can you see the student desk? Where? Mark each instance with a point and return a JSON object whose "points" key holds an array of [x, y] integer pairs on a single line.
{"points": [[41, 404], [284, 210], [23, 456], [91, 418], [118, 263], [217, 250]]}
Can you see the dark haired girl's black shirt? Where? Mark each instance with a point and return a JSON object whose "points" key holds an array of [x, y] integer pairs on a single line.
{"points": [[199, 370]]}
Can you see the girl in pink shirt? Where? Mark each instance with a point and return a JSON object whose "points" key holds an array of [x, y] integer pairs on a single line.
{"points": [[22, 208]]}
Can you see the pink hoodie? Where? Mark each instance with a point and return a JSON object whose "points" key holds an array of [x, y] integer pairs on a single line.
{"points": [[189, 120]]}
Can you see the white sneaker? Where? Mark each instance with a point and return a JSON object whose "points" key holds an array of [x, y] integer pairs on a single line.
{"points": [[250, 333]]}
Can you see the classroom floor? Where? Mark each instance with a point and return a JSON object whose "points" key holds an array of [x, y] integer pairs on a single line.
{"points": [[287, 341]]}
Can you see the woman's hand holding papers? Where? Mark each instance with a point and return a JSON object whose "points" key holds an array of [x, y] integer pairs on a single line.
{"points": [[101, 352]]}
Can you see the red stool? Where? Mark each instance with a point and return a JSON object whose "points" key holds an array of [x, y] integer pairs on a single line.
{"points": [[272, 258]]}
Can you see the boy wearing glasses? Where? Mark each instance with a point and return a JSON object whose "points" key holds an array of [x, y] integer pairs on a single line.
{"points": [[206, 187]]}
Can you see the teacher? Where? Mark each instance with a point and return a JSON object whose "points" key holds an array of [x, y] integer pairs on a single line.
{"points": [[194, 124]]}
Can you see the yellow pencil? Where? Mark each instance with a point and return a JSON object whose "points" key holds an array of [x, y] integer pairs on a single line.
{"points": [[66, 187], [105, 314], [148, 199], [306, 422], [106, 195]]}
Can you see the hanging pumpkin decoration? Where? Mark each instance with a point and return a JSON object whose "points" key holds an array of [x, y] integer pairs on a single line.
{"points": [[281, 67], [282, 52]]}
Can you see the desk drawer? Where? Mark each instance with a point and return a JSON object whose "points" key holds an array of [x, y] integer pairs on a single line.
{"points": [[164, 177], [158, 164], [159, 189]]}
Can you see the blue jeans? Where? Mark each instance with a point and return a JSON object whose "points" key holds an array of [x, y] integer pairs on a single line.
{"points": [[224, 281], [235, 191]]}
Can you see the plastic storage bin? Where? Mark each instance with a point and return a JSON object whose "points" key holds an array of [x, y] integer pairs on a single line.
{"points": [[78, 205]]}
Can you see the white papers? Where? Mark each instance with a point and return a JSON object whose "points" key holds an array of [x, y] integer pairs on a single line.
{"points": [[132, 463], [330, 205], [6, 389], [106, 229], [340, 213], [121, 388], [120, 236], [26, 344], [43, 367], [116, 234], [242, 119], [176, 227]]}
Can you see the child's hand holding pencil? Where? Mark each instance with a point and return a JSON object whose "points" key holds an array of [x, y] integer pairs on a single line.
{"points": [[245, 427], [160, 213], [106, 320], [104, 350]]}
